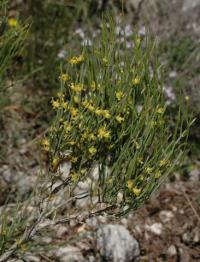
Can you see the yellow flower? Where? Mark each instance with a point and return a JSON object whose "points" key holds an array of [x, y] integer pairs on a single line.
{"points": [[162, 162], [92, 150], [84, 135], [12, 22], [105, 60], [91, 136], [74, 159], [157, 174], [119, 95], [64, 77], [187, 98], [88, 105], [103, 132], [138, 41], [153, 123], [140, 160], [76, 87], [91, 108], [149, 170], [136, 191], [98, 111], [76, 60], [74, 176], [60, 95], [130, 184], [55, 104], [55, 162], [93, 86], [67, 127], [76, 99], [23, 247], [136, 144], [83, 171], [64, 105], [160, 110], [46, 144], [141, 178], [71, 143], [106, 114], [119, 118], [73, 111], [136, 81]]}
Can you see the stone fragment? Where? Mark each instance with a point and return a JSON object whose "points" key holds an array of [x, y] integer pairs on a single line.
{"points": [[116, 244], [68, 254]]}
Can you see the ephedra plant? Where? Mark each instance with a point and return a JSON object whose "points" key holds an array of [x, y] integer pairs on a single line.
{"points": [[111, 116], [110, 130]]}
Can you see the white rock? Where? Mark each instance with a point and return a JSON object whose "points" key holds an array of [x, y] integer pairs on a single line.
{"points": [[166, 216], [65, 169], [32, 258], [195, 175], [68, 254], [155, 228], [172, 74], [116, 244], [171, 251]]}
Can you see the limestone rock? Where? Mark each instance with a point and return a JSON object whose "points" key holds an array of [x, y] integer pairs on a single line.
{"points": [[116, 244]]}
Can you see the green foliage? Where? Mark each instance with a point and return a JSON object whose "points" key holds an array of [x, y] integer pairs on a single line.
{"points": [[12, 225], [52, 23], [12, 37], [110, 113], [181, 56]]}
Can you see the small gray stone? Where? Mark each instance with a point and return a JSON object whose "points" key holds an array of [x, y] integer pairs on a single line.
{"points": [[155, 228], [195, 175], [171, 251], [116, 244], [69, 254]]}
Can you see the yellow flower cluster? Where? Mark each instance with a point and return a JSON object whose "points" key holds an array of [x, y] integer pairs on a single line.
{"points": [[76, 60], [163, 162], [119, 119], [119, 95], [103, 132], [88, 105], [99, 112], [76, 87], [157, 174], [149, 170], [46, 144], [73, 112], [59, 104], [105, 60], [55, 104], [64, 77], [160, 110], [136, 191], [92, 150], [136, 81]]}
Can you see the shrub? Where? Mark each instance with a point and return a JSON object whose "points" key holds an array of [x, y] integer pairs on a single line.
{"points": [[110, 114]]}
